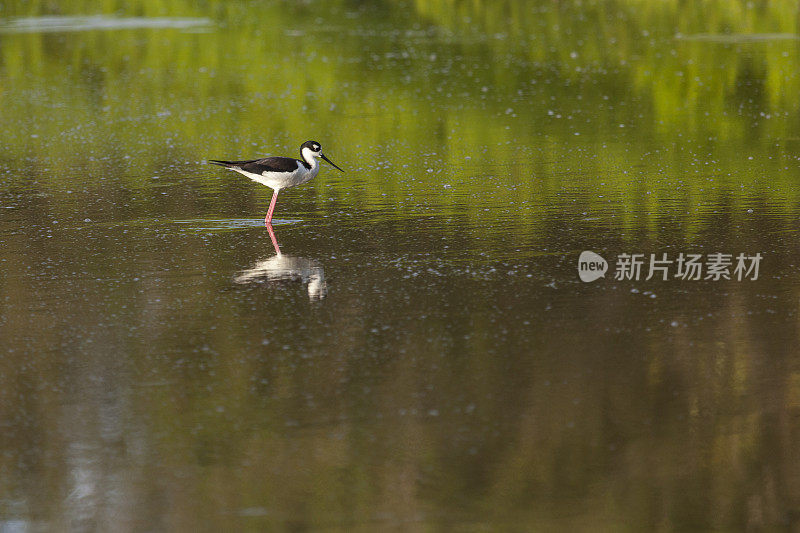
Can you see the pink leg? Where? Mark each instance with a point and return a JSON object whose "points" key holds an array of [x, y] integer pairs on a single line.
{"points": [[274, 240], [268, 220]]}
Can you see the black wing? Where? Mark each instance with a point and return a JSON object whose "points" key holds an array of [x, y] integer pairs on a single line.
{"points": [[266, 164]]}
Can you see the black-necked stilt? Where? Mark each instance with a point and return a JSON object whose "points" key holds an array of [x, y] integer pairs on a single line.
{"points": [[280, 172]]}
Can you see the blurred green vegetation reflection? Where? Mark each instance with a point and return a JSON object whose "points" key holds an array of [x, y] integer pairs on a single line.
{"points": [[509, 100]]}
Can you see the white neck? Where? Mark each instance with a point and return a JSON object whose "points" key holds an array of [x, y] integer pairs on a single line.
{"points": [[308, 155]]}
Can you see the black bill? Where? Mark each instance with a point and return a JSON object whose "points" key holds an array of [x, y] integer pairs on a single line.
{"points": [[331, 162]]}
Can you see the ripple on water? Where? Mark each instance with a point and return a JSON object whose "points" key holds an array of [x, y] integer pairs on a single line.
{"points": [[203, 225], [96, 22]]}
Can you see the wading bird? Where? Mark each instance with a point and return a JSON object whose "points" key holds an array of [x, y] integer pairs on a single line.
{"points": [[280, 172]]}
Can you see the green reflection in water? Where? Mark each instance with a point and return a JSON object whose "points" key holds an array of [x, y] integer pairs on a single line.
{"points": [[508, 111], [480, 139]]}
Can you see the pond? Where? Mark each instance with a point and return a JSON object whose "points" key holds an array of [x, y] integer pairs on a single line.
{"points": [[417, 349]]}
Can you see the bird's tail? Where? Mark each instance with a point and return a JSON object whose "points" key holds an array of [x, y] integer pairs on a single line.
{"points": [[228, 164], [222, 163]]}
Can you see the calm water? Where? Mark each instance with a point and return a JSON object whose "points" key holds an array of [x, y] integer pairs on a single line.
{"points": [[422, 355]]}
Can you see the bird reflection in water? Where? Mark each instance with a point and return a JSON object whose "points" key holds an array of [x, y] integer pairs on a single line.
{"points": [[282, 267]]}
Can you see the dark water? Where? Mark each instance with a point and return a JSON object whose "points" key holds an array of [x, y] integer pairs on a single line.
{"points": [[422, 355]]}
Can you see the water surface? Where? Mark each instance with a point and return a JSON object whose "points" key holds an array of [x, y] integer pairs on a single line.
{"points": [[422, 354]]}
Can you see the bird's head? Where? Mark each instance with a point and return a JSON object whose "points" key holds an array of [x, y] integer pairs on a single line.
{"points": [[312, 149]]}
